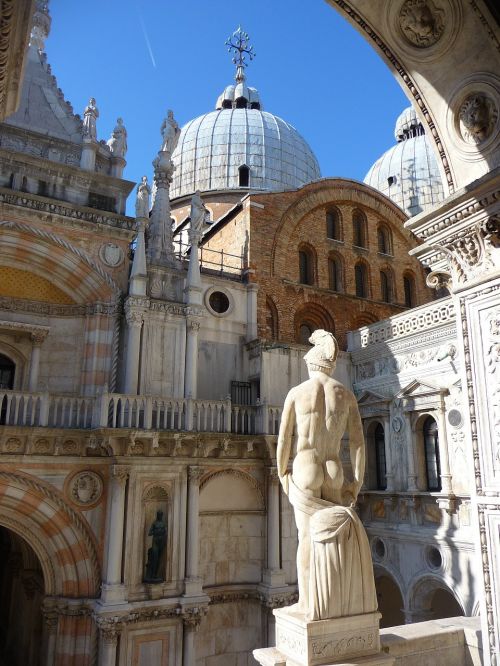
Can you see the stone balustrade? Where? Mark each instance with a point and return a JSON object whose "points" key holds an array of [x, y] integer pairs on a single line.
{"points": [[145, 412]]}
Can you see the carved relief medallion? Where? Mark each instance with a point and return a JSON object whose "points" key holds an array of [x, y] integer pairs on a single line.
{"points": [[477, 118], [111, 254], [422, 22], [85, 488]]}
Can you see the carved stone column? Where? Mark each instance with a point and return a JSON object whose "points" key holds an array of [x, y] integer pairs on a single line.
{"points": [[160, 247], [108, 641], [191, 621], [193, 583], [410, 454], [444, 456], [51, 620], [191, 370], [134, 326], [388, 454], [273, 575], [37, 339], [113, 591]]}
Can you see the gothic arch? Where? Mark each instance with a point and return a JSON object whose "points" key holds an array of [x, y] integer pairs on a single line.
{"points": [[58, 535], [46, 254], [314, 315]]}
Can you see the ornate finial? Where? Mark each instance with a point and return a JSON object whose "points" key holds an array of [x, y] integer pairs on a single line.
{"points": [[238, 43], [41, 24]]}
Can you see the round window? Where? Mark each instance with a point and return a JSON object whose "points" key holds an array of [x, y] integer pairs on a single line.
{"points": [[219, 302], [434, 557], [378, 548]]}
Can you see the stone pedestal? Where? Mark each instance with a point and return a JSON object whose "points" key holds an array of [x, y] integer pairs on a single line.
{"points": [[343, 640]]}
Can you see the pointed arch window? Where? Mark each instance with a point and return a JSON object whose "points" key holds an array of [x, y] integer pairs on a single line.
{"points": [[244, 176], [431, 452]]}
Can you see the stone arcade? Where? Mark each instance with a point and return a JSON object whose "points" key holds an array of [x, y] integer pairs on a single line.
{"points": [[148, 390]]}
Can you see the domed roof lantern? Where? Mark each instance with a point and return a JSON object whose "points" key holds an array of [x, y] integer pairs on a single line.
{"points": [[408, 125], [239, 96]]}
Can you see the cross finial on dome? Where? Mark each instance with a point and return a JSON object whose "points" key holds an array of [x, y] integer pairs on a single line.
{"points": [[238, 43]]}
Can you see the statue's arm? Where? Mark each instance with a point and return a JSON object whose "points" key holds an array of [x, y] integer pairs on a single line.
{"points": [[285, 436], [356, 446]]}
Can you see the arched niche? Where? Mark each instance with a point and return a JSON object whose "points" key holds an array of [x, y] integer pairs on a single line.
{"points": [[389, 597], [430, 598], [155, 499]]}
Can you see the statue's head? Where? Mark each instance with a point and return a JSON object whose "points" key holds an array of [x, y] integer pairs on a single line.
{"points": [[323, 355], [159, 515]]}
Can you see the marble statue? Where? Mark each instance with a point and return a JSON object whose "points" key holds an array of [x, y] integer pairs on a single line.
{"points": [[118, 141], [142, 198], [170, 132], [158, 531], [199, 214], [334, 565], [90, 116]]}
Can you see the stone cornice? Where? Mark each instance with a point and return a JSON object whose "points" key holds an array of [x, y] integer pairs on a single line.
{"points": [[38, 332], [9, 304], [79, 215]]}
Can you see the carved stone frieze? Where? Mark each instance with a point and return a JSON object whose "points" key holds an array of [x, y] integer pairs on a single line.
{"points": [[422, 22]]}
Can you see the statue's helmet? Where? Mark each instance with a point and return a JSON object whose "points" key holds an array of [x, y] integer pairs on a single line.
{"points": [[324, 353]]}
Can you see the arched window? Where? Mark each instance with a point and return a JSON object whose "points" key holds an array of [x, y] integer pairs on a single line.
{"points": [[380, 461], [305, 331], [333, 224], [306, 266], [244, 176], [384, 240], [7, 370], [271, 320], [335, 274], [361, 279], [431, 452], [386, 286], [409, 289], [359, 228]]}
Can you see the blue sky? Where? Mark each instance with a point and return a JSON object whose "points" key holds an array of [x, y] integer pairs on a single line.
{"points": [[139, 58]]}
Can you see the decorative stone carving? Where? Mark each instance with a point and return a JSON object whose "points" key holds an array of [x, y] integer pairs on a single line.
{"points": [[117, 144], [477, 117], [13, 445], [142, 199], [199, 215], [170, 132], [42, 446], [134, 319], [90, 116], [111, 254], [85, 488], [422, 22], [330, 531], [493, 366]]}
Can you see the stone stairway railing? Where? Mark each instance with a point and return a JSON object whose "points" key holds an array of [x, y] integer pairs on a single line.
{"points": [[117, 410]]}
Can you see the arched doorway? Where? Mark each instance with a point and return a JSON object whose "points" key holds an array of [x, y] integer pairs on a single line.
{"points": [[390, 601], [443, 604], [22, 591]]}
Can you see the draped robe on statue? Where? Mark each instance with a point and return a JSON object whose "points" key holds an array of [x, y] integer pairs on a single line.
{"points": [[341, 581]]}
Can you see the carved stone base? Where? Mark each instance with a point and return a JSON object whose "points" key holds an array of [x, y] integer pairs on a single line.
{"points": [[113, 594], [273, 657], [334, 641]]}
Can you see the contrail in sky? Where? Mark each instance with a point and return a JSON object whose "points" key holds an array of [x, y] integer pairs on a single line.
{"points": [[148, 43]]}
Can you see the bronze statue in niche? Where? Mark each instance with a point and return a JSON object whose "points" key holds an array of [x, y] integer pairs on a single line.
{"points": [[158, 531]]}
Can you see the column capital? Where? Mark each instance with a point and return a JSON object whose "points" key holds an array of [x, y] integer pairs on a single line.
{"points": [[192, 616], [195, 473], [120, 472], [193, 325], [38, 336], [272, 474], [134, 319]]}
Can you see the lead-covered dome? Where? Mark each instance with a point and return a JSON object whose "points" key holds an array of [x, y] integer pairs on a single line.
{"points": [[408, 172], [240, 146]]}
